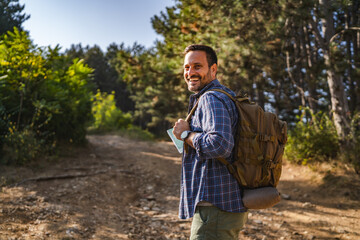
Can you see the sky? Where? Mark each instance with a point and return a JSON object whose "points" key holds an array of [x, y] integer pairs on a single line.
{"points": [[90, 22]]}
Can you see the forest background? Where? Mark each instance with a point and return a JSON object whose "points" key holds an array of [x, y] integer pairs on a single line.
{"points": [[298, 59]]}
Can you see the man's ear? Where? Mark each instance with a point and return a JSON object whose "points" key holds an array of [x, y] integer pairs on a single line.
{"points": [[213, 70]]}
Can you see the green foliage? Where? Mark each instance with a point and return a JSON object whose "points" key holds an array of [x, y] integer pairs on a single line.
{"points": [[352, 151], [22, 146], [70, 92], [313, 139], [4, 125], [156, 90], [247, 60], [106, 115], [136, 133], [105, 78], [43, 98], [11, 16]]}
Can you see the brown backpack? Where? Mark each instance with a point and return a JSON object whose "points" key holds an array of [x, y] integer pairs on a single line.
{"points": [[259, 145]]}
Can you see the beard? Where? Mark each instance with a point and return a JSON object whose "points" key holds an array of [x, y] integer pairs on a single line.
{"points": [[196, 82]]}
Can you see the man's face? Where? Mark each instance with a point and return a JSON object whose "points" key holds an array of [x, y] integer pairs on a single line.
{"points": [[197, 73]]}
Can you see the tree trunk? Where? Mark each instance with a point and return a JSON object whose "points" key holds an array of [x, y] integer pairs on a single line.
{"points": [[339, 104], [356, 47], [349, 57], [311, 78]]}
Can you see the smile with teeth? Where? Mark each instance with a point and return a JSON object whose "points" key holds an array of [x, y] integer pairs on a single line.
{"points": [[194, 79]]}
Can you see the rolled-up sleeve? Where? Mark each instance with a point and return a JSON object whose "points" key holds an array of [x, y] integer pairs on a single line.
{"points": [[215, 137]]}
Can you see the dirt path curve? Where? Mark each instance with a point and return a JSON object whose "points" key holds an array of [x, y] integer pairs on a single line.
{"points": [[118, 188]]}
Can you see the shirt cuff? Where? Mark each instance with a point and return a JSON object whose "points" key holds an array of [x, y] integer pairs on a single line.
{"points": [[197, 144]]}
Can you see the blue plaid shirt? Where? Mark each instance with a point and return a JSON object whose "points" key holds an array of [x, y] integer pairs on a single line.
{"points": [[204, 178]]}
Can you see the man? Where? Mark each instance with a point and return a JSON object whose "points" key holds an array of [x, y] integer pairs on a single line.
{"points": [[209, 193]]}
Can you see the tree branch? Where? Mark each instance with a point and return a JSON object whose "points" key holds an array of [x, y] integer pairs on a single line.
{"points": [[317, 34], [343, 31], [66, 176]]}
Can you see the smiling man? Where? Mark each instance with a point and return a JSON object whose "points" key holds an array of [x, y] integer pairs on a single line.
{"points": [[209, 193]]}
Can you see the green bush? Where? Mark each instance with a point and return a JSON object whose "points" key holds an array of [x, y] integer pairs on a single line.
{"points": [[21, 146], [67, 97], [4, 124], [314, 140], [352, 151], [135, 132], [106, 115], [44, 97]]}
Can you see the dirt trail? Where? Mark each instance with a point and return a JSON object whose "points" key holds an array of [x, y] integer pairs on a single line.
{"points": [[118, 188]]}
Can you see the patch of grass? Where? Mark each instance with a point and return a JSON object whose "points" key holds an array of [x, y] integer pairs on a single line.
{"points": [[133, 132], [2, 181]]}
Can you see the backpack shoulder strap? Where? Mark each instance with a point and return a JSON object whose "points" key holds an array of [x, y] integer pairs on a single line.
{"points": [[224, 92], [188, 118], [234, 99]]}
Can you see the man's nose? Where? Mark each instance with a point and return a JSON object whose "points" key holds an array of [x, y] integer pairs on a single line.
{"points": [[191, 71]]}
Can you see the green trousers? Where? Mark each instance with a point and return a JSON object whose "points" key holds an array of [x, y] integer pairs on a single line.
{"points": [[210, 222]]}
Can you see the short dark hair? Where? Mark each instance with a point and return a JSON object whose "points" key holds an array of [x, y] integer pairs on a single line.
{"points": [[210, 53]]}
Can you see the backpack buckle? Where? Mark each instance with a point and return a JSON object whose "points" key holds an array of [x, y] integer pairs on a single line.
{"points": [[269, 164]]}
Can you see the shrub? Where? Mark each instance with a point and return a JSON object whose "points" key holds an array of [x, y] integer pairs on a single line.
{"points": [[352, 151], [44, 97], [67, 96], [314, 140], [106, 115], [21, 146], [4, 124], [135, 132]]}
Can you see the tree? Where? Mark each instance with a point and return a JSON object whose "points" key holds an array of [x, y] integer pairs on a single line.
{"points": [[317, 32], [153, 85], [339, 104], [43, 98], [11, 16], [105, 78], [284, 54]]}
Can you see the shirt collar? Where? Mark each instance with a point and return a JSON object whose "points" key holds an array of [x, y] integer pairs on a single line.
{"points": [[212, 84]]}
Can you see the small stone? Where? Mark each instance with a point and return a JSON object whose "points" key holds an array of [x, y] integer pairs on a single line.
{"points": [[285, 196], [155, 224], [308, 205], [258, 221], [277, 225]]}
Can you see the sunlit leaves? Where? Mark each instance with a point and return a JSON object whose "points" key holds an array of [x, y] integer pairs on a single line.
{"points": [[43, 97]]}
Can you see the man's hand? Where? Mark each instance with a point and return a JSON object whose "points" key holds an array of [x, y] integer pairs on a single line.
{"points": [[180, 126]]}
